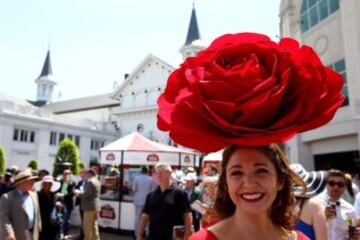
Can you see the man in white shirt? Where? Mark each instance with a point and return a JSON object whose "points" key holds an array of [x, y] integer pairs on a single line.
{"points": [[339, 213]]}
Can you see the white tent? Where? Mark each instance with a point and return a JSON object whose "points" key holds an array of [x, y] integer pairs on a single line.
{"points": [[215, 156], [134, 149]]}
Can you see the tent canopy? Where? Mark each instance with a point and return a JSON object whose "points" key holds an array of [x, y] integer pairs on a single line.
{"points": [[136, 142], [215, 156], [136, 149]]}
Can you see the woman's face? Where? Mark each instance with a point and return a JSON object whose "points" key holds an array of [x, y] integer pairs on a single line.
{"points": [[46, 186], [252, 181]]}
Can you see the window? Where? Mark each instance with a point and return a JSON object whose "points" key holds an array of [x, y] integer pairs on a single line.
{"points": [[340, 67], [314, 11], [53, 138], [24, 135], [15, 135], [32, 136], [96, 144], [77, 140], [61, 137], [70, 136]]}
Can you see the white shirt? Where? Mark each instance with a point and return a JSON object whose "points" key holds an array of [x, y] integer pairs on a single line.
{"points": [[338, 226], [357, 204]]}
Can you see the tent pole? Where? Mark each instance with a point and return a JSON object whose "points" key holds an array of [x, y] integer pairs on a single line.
{"points": [[120, 185]]}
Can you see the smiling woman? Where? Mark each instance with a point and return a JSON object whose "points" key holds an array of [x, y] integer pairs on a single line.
{"points": [[255, 197], [249, 92]]}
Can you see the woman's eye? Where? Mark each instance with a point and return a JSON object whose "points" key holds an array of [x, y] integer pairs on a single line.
{"points": [[236, 173], [262, 170]]}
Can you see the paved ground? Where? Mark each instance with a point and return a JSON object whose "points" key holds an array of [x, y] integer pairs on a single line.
{"points": [[105, 234]]}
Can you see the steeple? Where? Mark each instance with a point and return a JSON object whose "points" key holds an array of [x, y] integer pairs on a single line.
{"points": [[45, 82], [193, 42], [46, 70]]}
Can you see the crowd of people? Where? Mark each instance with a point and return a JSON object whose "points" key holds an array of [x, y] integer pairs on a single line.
{"points": [[35, 206], [254, 193]]}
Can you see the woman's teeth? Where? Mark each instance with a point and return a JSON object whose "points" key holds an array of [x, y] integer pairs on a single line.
{"points": [[251, 196]]}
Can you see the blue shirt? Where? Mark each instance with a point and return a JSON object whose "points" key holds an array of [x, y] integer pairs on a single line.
{"points": [[28, 206], [306, 229]]}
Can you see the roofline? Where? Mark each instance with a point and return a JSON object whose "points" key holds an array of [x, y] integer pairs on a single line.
{"points": [[137, 69], [84, 109], [51, 123]]}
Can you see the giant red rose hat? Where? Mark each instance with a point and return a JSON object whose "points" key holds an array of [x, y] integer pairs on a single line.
{"points": [[248, 90]]}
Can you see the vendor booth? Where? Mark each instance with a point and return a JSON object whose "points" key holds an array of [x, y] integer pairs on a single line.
{"points": [[120, 163]]}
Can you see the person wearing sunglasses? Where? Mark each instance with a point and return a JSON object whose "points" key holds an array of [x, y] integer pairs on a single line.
{"points": [[339, 213]]}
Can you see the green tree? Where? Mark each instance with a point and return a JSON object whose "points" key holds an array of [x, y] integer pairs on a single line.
{"points": [[2, 161], [33, 165], [68, 152], [81, 165]]}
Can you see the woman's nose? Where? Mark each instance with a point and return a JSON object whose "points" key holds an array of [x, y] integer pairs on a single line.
{"points": [[249, 180]]}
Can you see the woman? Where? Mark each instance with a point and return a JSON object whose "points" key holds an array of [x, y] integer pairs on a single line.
{"points": [[247, 90], [312, 221], [208, 194], [47, 203], [254, 196]]}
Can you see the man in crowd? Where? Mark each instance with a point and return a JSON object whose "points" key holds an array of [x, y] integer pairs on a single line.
{"points": [[193, 194], [338, 212], [165, 207], [142, 185], [66, 195], [19, 210], [81, 186], [212, 171], [90, 205]]}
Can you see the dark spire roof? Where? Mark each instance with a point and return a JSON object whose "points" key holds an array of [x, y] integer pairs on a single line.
{"points": [[46, 70], [193, 31]]}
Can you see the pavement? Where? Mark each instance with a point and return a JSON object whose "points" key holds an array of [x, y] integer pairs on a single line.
{"points": [[105, 234]]}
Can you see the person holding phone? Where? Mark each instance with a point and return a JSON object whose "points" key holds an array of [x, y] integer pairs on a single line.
{"points": [[339, 213]]}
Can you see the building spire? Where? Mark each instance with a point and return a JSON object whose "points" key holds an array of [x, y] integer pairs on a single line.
{"points": [[45, 82], [193, 42], [193, 33], [46, 70]]}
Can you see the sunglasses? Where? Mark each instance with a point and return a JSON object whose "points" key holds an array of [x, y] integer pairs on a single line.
{"points": [[334, 183]]}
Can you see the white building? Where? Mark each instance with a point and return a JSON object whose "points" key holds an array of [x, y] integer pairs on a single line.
{"points": [[31, 130], [139, 92], [332, 28]]}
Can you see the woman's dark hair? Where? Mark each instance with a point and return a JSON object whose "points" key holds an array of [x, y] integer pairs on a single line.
{"points": [[283, 211]]}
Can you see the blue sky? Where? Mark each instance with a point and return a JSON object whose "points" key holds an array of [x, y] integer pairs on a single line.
{"points": [[94, 43]]}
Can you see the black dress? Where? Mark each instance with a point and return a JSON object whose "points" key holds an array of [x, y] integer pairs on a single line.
{"points": [[49, 228]]}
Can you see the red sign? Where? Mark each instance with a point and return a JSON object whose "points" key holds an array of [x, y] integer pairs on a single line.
{"points": [[110, 157], [107, 211], [152, 158]]}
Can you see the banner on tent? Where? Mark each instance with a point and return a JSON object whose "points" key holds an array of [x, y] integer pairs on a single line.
{"points": [[110, 157]]}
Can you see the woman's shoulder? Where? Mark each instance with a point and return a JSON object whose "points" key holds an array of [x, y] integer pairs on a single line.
{"points": [[203, 234]]}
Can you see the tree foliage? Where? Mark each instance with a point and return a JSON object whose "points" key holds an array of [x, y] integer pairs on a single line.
{"points": [[33, 165], [68, 152], [2, 161], [81, 165]]}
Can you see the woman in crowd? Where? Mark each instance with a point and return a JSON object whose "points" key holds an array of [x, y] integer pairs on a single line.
{"points": [[312, 220], [254, 196], [47, 203]]}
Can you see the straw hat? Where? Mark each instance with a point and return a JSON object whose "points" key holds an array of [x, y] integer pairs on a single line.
{"points": [[23, 177], [315, 180]]}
